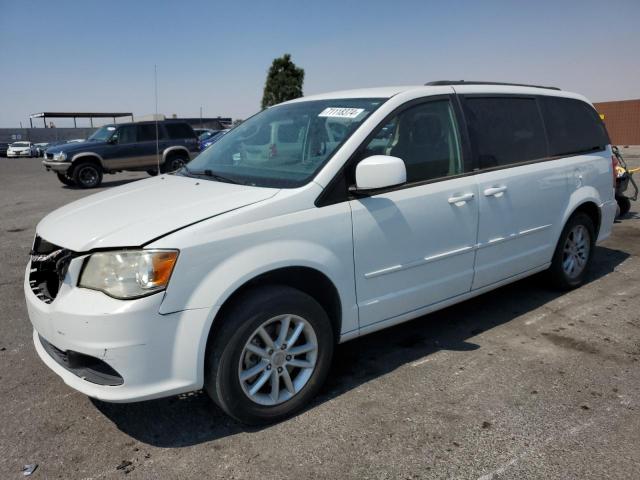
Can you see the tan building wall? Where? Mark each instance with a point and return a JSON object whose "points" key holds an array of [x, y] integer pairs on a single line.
{"points": [[622, 120]]}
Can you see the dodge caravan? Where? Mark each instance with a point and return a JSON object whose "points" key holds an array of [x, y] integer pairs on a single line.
{"points": [[241, 271]]}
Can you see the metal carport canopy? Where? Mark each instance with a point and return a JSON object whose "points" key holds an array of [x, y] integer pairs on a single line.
{"points": [[74, 115]]}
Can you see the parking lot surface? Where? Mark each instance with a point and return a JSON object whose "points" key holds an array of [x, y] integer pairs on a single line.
{"points": [[522, 382]]}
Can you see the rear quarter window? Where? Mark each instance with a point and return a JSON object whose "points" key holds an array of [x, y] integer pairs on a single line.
{"points": [[572, 126], [179, 130]]}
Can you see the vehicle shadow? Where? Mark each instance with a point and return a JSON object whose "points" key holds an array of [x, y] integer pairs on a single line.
{"points": [[192, 418]]}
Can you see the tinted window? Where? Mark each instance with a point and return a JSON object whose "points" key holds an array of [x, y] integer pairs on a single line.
{"points": [[179, 130], [147, 132], [126, 134], [572, 126], [425, 137], [505, 130]]}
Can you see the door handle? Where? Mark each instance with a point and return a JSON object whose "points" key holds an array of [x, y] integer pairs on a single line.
{"points": [[495, 191], [460, 200]]}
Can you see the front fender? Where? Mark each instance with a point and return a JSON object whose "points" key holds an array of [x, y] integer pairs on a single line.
{"points": [[236, 270], [220, 255], [86, 156]]}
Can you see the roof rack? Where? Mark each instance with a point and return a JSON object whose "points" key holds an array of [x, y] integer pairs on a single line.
{"points": [[470, 82]]}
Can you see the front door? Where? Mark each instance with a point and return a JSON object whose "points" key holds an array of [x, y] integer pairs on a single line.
{"points": [[126, 150], [415, 245]]}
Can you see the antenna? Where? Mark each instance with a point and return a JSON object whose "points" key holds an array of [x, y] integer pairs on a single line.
{"points": [[155, 81]]}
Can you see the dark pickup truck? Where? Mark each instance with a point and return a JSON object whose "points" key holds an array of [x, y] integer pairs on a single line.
{"points": [[127, 146]]}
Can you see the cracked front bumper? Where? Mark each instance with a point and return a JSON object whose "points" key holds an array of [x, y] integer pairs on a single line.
{"points": [[156, 355]]}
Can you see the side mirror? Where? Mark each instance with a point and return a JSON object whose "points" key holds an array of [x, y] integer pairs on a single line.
{"points": [[113, 139], [380, 171]]}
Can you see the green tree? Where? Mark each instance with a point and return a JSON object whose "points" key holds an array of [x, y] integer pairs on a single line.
{"points": [[284, 82]]}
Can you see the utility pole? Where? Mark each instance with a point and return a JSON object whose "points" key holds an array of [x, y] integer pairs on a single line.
{"points": [[155, 81]]}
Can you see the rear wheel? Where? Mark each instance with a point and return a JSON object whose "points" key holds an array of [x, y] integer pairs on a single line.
{"points": [[574, 252], [87, 175], [65, 179], [270, 356]]}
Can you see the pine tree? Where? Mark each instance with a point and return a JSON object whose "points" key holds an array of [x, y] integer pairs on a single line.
{"points": [[284, 82]]}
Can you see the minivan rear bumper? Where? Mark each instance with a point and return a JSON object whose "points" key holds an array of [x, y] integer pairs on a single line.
{"points": [[116, 350]]}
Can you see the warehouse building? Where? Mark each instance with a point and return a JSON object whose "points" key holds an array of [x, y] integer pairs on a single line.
{"points": [[622, 119]]}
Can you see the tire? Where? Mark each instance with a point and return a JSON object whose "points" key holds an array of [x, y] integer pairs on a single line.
{"points": [[577, 241], [66, 180], [227, 355], [152, 172], [174, 162], [87, 175], [624, 204]]}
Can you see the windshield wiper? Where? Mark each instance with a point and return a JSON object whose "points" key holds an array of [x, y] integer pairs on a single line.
{"points": [[210, 174]]}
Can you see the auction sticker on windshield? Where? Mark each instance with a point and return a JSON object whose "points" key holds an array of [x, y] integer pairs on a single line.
{"points": [[338, 112]]}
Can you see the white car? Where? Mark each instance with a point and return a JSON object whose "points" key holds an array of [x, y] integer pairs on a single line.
{"points": [[20, 149], [241, 272]]}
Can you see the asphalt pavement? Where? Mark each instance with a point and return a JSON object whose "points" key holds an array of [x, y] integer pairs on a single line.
{"points": [[522, 382]]}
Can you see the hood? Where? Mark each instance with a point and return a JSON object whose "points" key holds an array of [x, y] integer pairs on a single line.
{"points": [[136, 213], [74, 147]]}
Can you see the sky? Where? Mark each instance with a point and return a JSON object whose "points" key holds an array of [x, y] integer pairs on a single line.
{"points": [[99, 56]]}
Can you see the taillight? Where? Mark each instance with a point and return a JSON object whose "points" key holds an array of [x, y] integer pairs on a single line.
{"points": [[614, 169]]}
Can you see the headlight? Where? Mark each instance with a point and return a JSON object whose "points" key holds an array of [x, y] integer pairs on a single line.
{"points": [[129, 273], [60, 156]]}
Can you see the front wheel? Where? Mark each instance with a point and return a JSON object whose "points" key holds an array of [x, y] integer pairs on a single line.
{"points": [[271, 355], [574, 252], [87, 175], [65, 179]]}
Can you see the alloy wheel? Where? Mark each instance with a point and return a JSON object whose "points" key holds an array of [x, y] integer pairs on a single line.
{"points": [[278, 360], [576, 251]]}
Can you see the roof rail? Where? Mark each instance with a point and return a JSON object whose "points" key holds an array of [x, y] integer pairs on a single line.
{"points": [[470, 82]]}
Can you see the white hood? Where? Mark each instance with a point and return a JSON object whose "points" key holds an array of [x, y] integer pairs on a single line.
{"points": [[134, 214]]}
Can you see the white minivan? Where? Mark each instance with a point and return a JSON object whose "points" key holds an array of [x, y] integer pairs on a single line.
{"points": [[240, 272]]}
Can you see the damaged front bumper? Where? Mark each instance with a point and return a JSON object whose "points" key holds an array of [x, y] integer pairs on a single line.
{"points": [[117, 350]]}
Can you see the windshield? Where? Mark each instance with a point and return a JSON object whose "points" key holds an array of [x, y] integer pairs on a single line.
{"points": [[20, 144], [102, 134], [283, 146]]}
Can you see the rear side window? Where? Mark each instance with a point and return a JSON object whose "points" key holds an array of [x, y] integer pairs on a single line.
{"points": [[505, 130], [572, 126], [179, 130], [147, 132]]}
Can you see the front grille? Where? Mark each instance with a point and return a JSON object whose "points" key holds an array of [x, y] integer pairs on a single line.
{"points": [[84, 366], [49, 265], [48, 156]]}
